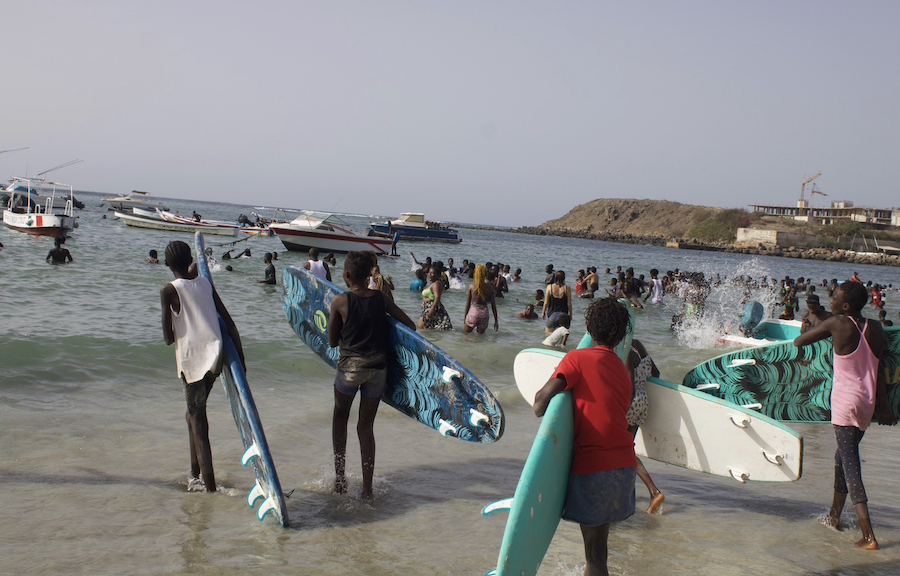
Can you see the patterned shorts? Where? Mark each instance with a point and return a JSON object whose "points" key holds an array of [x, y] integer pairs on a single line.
{"points": [[478, 318]]}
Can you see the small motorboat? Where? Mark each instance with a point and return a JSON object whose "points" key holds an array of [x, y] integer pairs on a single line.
{"points": [[156, 220]]}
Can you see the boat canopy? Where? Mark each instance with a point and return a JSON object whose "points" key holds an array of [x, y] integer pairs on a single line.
{"points": [[320, 220], [410, 218]]}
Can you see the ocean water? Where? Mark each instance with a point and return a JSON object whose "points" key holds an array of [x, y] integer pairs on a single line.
{"points": [[94, 457]]}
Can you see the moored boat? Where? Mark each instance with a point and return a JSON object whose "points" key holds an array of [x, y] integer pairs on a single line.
{"points": [[252, 230], [41, 191], [24, 213], [326, 232], [414, 226], [137, 199], [141, 218]]}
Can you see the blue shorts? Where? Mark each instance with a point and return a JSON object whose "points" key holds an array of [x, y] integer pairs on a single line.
{"points": [[370, 382], [600, 498]]}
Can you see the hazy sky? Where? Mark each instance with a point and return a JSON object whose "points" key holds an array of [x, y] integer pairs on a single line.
{"points": [[506, 112]]}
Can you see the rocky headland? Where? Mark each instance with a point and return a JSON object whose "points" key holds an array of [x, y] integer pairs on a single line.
{"points": [[661, 223]]}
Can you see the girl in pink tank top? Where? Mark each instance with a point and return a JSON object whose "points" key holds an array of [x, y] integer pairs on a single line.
{"points": [[855, 378], [858, 385]]}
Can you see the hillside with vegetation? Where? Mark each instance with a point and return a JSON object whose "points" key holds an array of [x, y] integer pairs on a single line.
{"points": [[664, 220], [657, 222]]}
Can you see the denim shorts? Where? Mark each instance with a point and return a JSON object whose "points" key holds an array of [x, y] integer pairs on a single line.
{"points": [[600, 498], [370, 382], [556, 320]]}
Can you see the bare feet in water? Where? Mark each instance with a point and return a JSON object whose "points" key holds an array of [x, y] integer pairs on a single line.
{"points": [[830, 521], [656, 504], [340, 485], [867, 544]]}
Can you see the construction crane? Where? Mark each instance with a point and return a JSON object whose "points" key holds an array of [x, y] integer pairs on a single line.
{"points": [[805, 182], [811, 194]]}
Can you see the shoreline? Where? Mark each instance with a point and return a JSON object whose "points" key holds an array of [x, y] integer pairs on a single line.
{"points": [[805, 253]]}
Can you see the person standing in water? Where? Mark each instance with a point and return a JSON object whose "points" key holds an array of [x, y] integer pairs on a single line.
{"points": [[190, 311], [394, 240], [270, 270], [815, 314], [641, 366], [479, 295], [59, 255], [358, 324], [859, 386], [558, 302], [601, 482], [434, 315], [317, 267], [656, 288]]}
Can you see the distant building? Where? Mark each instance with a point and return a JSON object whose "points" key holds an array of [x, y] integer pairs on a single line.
{"points": [[839, 211]]}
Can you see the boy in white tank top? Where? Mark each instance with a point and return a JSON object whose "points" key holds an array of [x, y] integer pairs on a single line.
{"points": [[316, 266], [190, 310]]}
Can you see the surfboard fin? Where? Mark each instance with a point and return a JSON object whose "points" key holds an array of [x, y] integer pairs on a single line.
{"points": [[491, 573], [448, 374], [249, 454], [255, 495], [476, 417], [754, 406], [267, 506], [710, 386], [446, 428], [740, 475], [740, 420], [738, 362], [498, 506], [775, 458]]}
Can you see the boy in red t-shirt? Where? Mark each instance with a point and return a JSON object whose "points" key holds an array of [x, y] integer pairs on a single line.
{"points": [[601, 484]]}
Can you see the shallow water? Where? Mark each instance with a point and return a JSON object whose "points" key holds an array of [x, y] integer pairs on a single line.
{"points": [[95, 459]]}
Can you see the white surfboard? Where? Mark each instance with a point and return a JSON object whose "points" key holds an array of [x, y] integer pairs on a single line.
{"points": [[693, 430]]}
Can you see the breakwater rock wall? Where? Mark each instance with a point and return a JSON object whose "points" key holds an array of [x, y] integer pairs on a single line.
{"points": [[853, 257]]}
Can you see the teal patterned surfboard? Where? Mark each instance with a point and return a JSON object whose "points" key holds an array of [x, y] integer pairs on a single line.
{"points": [[785, 382], [424, 382]]}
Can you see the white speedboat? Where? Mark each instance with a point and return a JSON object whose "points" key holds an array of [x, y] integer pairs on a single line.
{"points": [[136, 199], [326, 232], [36, 214]]}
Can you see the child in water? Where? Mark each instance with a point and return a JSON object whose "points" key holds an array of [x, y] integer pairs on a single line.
{"points": [[601, 482], [359, 325], [190, 310], [859, 385]]}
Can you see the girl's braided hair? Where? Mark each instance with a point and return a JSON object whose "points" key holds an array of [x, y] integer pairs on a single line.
{"points": [[607, 321]]}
